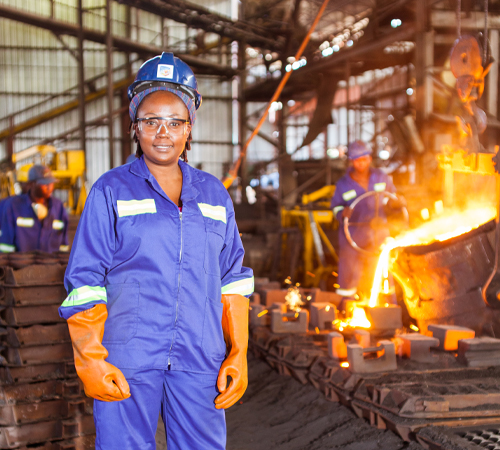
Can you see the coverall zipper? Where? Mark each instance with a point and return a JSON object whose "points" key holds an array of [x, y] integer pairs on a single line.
{"points": [[178, 293]]}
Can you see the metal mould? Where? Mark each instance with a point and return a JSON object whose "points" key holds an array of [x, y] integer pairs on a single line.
{"points": [[45, 410], [36, 335], [10, 374], [12, 437], [38, 354], [30, 315], [32, 275], [44, 390], [32, 295]]}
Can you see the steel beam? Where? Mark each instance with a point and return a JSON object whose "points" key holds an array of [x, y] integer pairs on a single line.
{"points": [[448, 19], [110, 87], [198, 17], [123, 44]]}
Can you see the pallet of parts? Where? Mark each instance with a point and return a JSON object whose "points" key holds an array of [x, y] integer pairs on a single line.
{"points": [[30, 315], [36, 335], [406, 427], [44, 410], [13, 437], [32, 295], [324, 386], [438, 399], [38, 354], [77, 443], [325, 367], [33, 275], [37, 372], [299, 374], [43, 390], [279, 366], [264, 339], [298, 351]]}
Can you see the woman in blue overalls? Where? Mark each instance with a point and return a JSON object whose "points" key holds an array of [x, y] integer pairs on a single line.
{"points": [[357, 269], [158, 249]]}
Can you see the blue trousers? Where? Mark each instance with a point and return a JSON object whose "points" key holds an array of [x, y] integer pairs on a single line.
{"points": [[186, 403]]}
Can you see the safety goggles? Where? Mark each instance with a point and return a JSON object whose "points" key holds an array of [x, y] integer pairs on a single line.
{"points": [[152, 125]]}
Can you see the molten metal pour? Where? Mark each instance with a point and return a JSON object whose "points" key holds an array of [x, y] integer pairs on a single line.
{"points": [[441, 229]]}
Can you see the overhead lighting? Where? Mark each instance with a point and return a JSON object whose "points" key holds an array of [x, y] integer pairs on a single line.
{"points": [[409, 91], [384, 154], [333, 153], [288, 67], [327, 51], [349, 42], [396, 23]]}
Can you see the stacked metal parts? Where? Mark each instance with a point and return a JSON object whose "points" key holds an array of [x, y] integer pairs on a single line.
{"points": [[42, 403]]}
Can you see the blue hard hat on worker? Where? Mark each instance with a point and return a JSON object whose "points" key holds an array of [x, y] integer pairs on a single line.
{"points": [[41, 175], [165, 72], [357, 149]]}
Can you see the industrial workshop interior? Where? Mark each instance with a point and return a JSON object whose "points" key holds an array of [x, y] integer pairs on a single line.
{"points": [[249, 224]]}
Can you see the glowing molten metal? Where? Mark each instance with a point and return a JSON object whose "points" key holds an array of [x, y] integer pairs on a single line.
{"points": [[293, 299], [438, 230]]}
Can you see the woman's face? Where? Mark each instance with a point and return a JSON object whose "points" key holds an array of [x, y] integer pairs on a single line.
{"points": [[162, 148]]}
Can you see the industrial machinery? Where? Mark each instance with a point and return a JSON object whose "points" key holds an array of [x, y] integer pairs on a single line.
{"points": [[312, 218], [68, 166]]}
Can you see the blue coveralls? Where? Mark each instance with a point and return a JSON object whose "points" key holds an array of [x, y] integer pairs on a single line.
{"points": [[22, 231], [161, 273], [3, 204], [352, 263]]}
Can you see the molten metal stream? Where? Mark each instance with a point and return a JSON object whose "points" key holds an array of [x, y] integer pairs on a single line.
{"points": [[441, 229]]}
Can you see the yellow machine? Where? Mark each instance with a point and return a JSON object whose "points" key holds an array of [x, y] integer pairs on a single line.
{"points": [[312, 223], [68, 166]]}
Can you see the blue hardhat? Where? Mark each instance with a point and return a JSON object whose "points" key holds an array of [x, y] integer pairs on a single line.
{"points": [[167, 71], [357, 149], [41, 175]]}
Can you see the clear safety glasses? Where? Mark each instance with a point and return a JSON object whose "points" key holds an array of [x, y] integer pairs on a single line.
{"points": [[153, 125]]}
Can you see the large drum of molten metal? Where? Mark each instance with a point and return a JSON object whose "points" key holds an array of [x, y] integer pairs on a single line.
{"points": [[442, 281]]}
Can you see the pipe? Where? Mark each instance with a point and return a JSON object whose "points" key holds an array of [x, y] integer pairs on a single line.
{"points": [[228, 181]]}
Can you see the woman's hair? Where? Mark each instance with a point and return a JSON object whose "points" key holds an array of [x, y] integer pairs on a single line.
{"points": [[139, 152]]}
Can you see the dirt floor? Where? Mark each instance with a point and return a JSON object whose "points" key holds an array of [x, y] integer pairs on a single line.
{"points": [[278, 413]]}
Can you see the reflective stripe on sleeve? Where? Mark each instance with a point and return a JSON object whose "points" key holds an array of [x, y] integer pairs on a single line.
{"points": [[349, 195], [57, 224], [64, 248], [213, 212], [25, 222], [242, 287], [136, 207], [85, 294], [6, 248], [379, 187], [337, 209]]}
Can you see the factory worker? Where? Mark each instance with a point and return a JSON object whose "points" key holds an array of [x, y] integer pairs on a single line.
{"points": [[156, 286], [22, 180], [356, 269], [35, 220]]}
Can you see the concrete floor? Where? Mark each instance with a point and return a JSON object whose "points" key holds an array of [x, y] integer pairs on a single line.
{"points": [[278, 413]]}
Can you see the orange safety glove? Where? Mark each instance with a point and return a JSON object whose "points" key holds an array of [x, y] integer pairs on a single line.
{"points": [[101, 380], [235, 328]]}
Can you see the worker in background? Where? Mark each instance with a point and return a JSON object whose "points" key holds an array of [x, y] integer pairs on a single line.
{"points": [[22, 180], [155, 278], [356, 269], [35, 220]]}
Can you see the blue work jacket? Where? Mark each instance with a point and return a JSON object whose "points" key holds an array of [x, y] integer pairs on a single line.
{"points": [[22, 231], [160, 271], [346, 191], [3, 204]]}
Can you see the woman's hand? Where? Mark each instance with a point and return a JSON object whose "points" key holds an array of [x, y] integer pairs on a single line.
{"points": [[235, 366]]}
